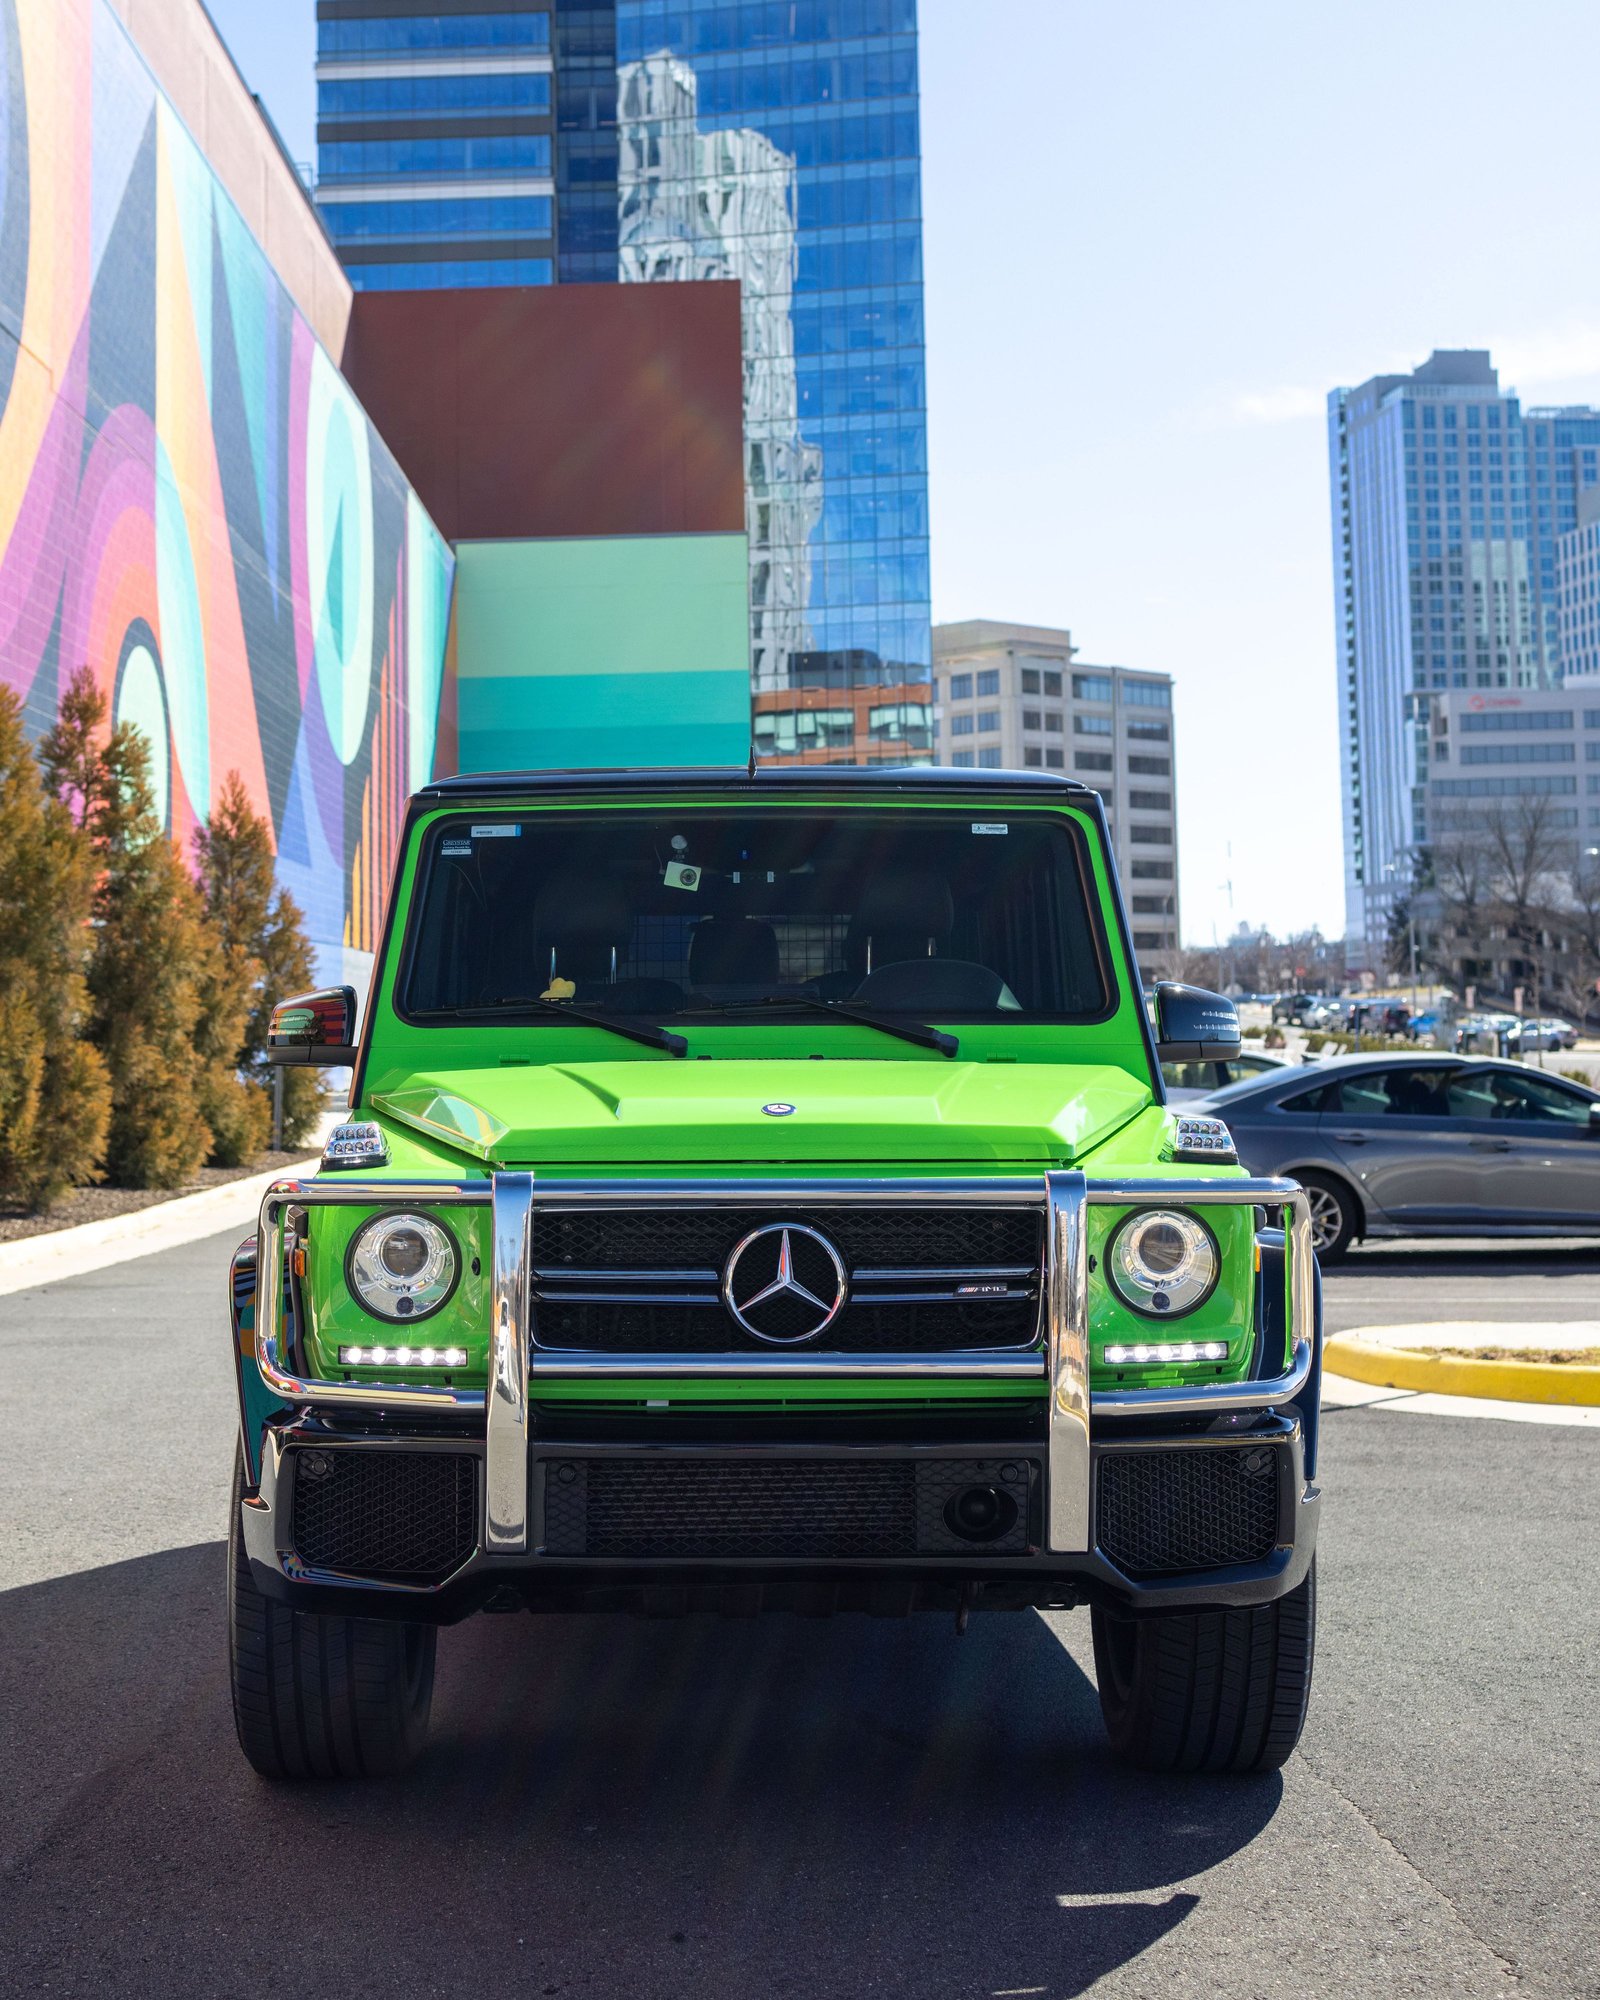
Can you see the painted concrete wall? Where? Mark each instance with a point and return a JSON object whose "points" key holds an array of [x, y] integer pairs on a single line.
{"points": [[192, 502]]}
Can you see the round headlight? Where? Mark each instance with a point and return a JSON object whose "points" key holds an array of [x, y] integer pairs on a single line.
{"points": [[403, 1266], [1163, 1262]]}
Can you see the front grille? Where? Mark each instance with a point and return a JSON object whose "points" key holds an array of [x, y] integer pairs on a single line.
{"points": [[674, 1239], [647, 1281], [864, 1328], [408, 1516], [1202, 1508], [780, 1509]]}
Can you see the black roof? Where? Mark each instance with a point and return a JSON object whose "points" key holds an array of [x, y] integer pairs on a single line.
{"points": [[769, 778]]}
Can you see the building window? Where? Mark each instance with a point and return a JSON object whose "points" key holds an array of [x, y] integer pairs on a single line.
{"points": [[1052, 685], [1151, 906], [1147, 694], [1092, 760], [1148, 940], [1150, 732], [785, 732], [1150, 801], [1150, 836], [988, 720], [1055, 759], [1031, 719], [961, 687], [1090, 725], [1030, 680], [1151, 871], [1052, 724], [989, 681], [1517, 718], [961, 725], [990, 758], [1032, 756], [1091, 687], [962, 758], [1150, 767]]}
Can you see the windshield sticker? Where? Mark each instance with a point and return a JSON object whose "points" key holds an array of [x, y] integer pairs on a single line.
{"points": [[455, 847], [987, 826], [499, 831]]}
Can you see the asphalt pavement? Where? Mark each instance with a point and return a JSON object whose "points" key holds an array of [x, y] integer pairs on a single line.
{"points": [[780, 1808], [1407, 1282]]}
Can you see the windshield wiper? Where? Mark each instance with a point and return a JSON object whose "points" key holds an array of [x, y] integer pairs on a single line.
{"points": [[634, 1031], [846, 1010]]}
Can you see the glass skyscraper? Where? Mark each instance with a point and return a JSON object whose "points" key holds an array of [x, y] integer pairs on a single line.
{"points": [[1448, 504], [646, 141]]}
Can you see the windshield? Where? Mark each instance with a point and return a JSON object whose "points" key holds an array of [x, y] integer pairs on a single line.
{"points": [[929, 915]]}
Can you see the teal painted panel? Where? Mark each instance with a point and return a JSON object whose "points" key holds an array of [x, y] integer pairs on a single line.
{"points": [[579, 721], [624, 651]]}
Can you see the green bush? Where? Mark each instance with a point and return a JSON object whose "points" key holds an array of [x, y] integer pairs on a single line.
{"points": [[55, 1100], [153, 951], [262, 936]]}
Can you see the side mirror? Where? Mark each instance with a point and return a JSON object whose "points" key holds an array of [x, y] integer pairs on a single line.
{"points": [[315, 1028], [1193, 1025]]}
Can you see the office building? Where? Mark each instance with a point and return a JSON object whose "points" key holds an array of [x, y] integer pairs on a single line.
{"points": [[643, 143], [1528, 763], [1449, 503], [1017, 697], [1578, 590]]}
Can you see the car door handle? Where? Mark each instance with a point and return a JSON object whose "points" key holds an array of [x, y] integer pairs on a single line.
{"points": [[1351, 1138], [1491, 1145]]}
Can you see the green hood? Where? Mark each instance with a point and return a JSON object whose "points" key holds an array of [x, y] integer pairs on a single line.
{"points": [[667, 1114]]}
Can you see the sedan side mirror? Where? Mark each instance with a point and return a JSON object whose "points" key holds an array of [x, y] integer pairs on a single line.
{"points": [[1193, 1025], [315, 1028]]}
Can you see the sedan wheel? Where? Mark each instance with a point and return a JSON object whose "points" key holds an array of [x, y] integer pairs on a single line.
{"points": [[1333, 1216]]}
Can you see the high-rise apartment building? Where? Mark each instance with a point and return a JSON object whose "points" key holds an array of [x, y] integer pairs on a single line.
{"points": [[1016, 697], [507, 142], [1449, 502]]}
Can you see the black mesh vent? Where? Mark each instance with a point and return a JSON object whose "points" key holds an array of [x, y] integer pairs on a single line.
{"points": [[935, 1239], [706, 1508], [407, 1515], [926, 1327], [1197, 1509]]}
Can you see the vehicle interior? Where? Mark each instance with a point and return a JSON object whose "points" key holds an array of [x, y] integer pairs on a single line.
{"points": [[924, 913]]}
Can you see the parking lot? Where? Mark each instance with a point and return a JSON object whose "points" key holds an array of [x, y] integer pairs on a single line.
{"points": [[786, 1807]]}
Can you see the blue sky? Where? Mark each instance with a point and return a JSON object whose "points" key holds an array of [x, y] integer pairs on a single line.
{"points": [[1157, 233]]}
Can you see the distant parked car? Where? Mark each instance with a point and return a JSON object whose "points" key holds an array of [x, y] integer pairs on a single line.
{"points": [[1188, 1080], [1415, 1145], [1291, 1009], [1548, 1031]]}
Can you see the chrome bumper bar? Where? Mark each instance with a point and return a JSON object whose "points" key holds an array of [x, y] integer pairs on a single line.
{"points": [[516, 1364]]}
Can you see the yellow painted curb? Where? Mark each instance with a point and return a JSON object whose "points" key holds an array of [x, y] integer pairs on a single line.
{"points": [[1453, 1375]]}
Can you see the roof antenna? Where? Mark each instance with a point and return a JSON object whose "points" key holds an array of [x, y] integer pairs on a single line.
{"points": [[752, 757]]}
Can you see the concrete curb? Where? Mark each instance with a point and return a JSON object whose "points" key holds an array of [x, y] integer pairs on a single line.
{"points": [[95, 1246], [1361, 1358]]}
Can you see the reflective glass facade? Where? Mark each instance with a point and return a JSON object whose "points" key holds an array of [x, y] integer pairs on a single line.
{"points": [[1449, 504], [773, 141]]}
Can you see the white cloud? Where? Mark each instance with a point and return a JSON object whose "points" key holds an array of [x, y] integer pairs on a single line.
{"points": [[1569, 353]]}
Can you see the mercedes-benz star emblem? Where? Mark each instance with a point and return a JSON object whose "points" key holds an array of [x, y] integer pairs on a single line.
{"points": [[784, 1283], [778, 1110]]}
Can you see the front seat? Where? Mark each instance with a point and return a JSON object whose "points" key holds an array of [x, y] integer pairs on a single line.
{"points": [[733, 958]]}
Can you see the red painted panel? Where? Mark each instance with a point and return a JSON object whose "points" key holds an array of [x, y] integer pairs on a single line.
{"points": [[564, 410]]}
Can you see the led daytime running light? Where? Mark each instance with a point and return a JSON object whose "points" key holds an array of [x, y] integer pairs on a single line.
{"points": [[402, 1357], [1162, 1353]]}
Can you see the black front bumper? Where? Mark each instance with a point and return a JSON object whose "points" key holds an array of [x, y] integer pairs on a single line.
{"points": [[377, 1521]]}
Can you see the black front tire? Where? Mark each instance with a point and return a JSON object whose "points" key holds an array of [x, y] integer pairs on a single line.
{"points": [[1208, 1690], [321, 1697]]}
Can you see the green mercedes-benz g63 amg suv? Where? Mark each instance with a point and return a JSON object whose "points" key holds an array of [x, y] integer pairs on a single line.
{"points": [[758, 1194]]}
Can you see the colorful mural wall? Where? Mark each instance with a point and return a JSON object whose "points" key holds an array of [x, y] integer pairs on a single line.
{"points": [[192, 502]]}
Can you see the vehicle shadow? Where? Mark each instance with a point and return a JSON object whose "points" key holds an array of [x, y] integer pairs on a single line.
{"points": [[606, 1807]]}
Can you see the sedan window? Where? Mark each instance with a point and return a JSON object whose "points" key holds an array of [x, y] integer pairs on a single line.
{"points": [[1393, 1093], [1519, 1094]]}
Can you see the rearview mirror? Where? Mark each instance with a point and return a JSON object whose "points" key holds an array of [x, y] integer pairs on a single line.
{"points": [[315, 1028], [1194, 1025]]}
